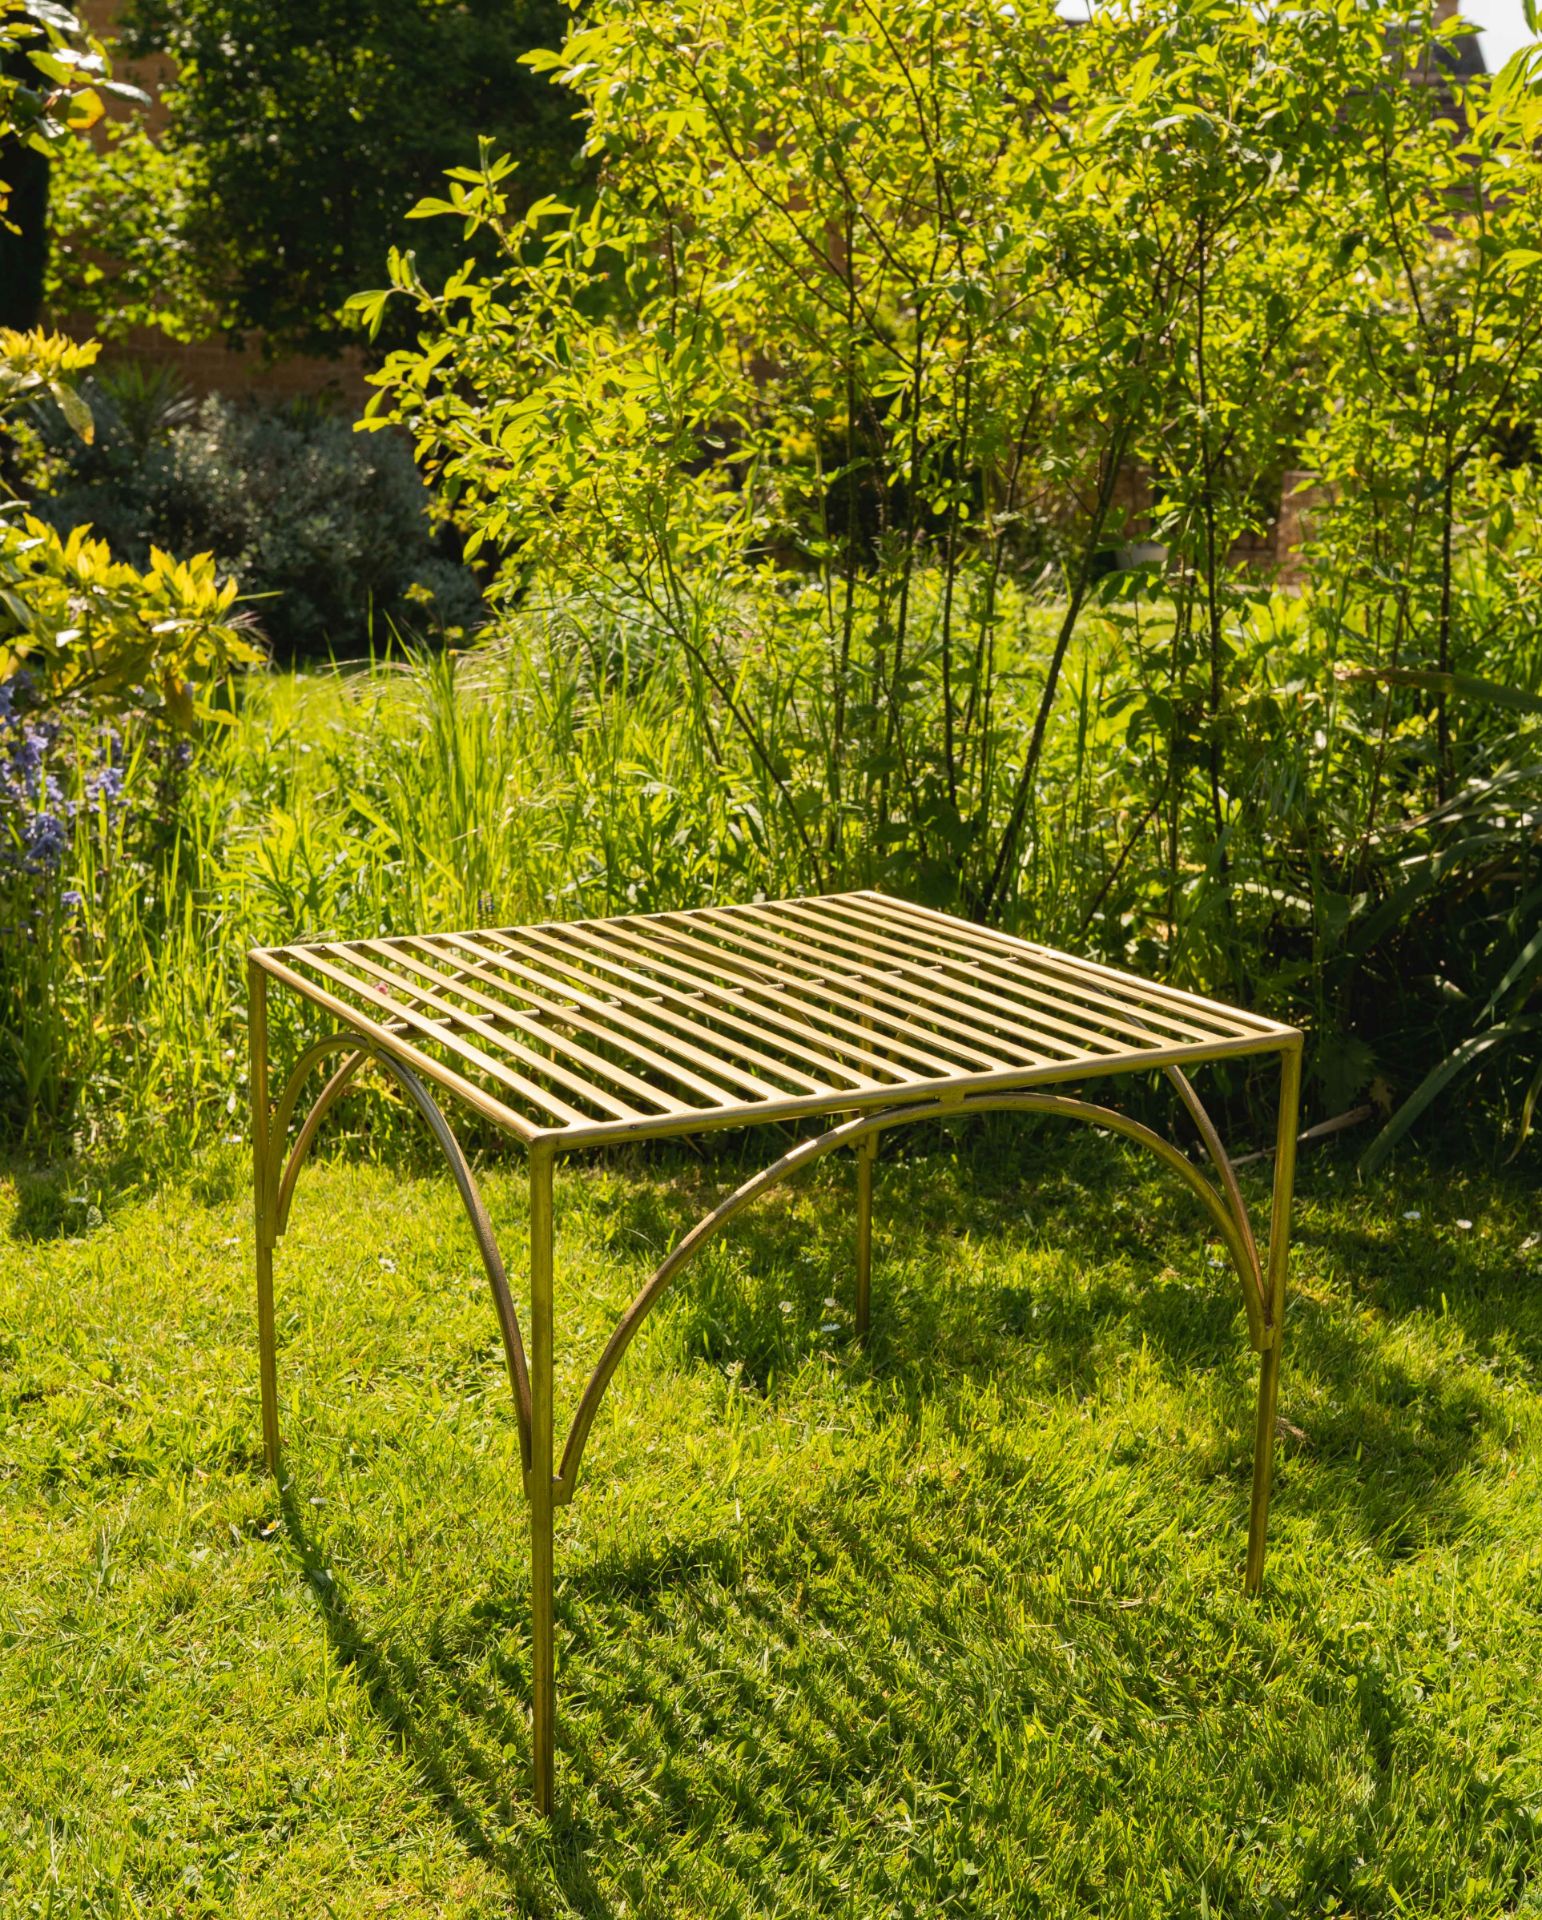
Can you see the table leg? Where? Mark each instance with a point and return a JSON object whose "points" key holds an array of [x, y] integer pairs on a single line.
{"points": [[867, 1152], [263, 1206], [1269, 1369], [542, 1649]]}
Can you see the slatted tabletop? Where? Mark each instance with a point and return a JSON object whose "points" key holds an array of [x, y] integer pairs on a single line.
{"points": [[589, 1031]]}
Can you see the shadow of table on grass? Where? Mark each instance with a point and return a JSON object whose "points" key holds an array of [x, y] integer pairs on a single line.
{"points": [[673, 1723], [690, 1693], [1376, 1430]]}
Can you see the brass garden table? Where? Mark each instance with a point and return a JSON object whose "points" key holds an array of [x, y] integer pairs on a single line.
{"points": [[585, 1033]]}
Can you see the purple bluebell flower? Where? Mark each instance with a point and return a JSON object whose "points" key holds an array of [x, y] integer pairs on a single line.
{"points": [[105, 783], [47, 839]]}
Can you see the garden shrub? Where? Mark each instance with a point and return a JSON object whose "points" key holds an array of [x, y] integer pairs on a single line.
{"points": [[328, 532], [299, 136]]}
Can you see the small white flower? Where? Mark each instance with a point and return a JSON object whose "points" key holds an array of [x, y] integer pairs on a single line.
{"points": [[1465, 1225], [1413, 1213], [786, 1306], [388, 1263]]}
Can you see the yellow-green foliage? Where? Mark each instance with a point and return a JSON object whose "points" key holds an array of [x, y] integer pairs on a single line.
{"points": [[36, 363], [863, 295], [86, 626]]}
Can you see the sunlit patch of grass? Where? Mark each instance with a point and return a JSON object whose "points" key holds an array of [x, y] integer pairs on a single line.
{"points": [[953, 1625]]}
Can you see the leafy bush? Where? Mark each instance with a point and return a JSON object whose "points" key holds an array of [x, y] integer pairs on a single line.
{"points": [[118, 257], [101, 667], [859, 295], [328, 533], [53, 85], [94, 630]]}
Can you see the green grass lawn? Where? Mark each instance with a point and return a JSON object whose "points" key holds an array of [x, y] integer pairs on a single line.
{"points": [[955, 1626]]}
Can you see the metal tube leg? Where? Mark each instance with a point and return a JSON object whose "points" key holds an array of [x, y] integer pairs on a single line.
{"points": [[268, 1359], [1269, 1370], [867, 1152], [263, 1197], [1263, 1463], [542, 1647]]}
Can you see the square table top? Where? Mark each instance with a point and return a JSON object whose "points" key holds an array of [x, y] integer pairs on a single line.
{"points": [[583, 1032]]}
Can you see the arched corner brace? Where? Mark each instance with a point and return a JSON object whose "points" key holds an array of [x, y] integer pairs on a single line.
{"points": [[1233, 1229], [1226, 1174], [282, 1198]]}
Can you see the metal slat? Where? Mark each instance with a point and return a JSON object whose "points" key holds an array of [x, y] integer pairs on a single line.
{"points": [[575, 1083], [392, 1042], [708, 996], [1236, 1020], [756, 977], [715, 978], [885, 989], [607, 1132], [1005, 1001], [1010, 965], [581, 958], [1008, 1016], [878, 1006], [917, 995], [706, 999], [617, 1016], [979, 985], [311, 957], [535, 1024]]}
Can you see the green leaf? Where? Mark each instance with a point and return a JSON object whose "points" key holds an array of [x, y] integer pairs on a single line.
{"points": [[1456, 1063], [1524, 967], [367, 310], [51, 15], [75, 410], [1455, 686]]}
